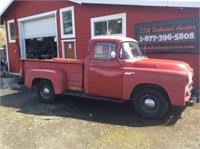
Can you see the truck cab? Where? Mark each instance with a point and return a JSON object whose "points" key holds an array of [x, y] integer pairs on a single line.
{"points": [[115, 69]]}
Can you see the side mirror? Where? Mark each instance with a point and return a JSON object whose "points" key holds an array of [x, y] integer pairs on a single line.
{"points": [[112, 55]]}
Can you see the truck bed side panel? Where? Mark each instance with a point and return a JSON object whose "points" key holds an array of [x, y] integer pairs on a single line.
{"points": [[72, 68]]}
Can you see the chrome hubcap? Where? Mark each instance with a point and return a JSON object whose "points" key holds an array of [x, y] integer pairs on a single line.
{"points": [[150, 103], [46, 91]]}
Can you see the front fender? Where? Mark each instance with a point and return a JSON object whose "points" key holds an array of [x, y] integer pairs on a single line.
{"points": [[57, 77], [172, 82]]}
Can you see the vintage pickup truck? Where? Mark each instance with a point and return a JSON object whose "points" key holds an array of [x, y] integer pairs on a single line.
{"points": [[114, 69]]}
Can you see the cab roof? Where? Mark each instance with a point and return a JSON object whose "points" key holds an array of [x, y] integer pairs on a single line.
{"points": [[117, 38]]}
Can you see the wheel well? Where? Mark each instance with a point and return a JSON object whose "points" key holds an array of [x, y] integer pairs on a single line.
{"points": [[36, 81], [154, 86]]}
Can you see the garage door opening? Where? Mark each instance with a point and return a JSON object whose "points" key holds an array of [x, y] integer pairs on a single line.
{"points": [[41, 48], [38, 38]]}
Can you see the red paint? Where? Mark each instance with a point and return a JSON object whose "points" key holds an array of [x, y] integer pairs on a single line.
{"points": [[54, 70], [83, 14], [192, 59]]}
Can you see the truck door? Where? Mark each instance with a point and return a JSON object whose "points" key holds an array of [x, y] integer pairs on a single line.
{"points": [[104, 74]]}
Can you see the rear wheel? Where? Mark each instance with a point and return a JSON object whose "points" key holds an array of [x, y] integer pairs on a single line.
{"points": [[46, 91], [150, 103]]}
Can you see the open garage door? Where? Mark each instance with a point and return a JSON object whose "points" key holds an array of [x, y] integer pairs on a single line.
{"points": [[40, 28], [40, 38]]}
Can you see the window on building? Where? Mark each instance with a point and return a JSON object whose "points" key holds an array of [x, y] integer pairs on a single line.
{"points": [[11, 31], [67, 22], [41, 48], [109, 25], [100, 28], [103, 51]]}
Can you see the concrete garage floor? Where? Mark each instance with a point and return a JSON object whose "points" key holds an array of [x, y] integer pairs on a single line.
{"points": [[75, 123]]}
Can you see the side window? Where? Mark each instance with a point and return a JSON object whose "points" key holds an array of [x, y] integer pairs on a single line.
{"points": [[103, 51], [67, 22], [11, 31], [109, 25]]}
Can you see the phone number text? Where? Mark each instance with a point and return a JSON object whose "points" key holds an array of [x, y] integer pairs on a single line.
{"points": [[167, 37]]}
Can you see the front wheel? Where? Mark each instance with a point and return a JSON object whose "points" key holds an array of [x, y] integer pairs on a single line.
{"points": [[46, 91], [150, 103]]}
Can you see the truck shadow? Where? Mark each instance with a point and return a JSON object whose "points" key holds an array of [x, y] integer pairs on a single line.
{"points": [[26, 102]]}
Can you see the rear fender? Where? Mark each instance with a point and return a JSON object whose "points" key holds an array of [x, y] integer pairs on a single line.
{"points": [[57, 77]]}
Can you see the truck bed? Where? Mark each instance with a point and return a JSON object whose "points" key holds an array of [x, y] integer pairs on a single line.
{"points": [[72, 68]]}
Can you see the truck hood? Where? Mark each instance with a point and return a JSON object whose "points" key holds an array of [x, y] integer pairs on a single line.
{"points": [[157, 64]]}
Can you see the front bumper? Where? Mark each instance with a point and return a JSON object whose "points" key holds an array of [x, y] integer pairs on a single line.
{"points": [[192, 101]]}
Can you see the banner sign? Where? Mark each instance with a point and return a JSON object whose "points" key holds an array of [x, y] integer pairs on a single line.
{"points": [[179, 36]]}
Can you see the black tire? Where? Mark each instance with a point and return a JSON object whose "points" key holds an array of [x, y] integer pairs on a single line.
{"points": [[7, 74], [150, 103], [46, 92]]}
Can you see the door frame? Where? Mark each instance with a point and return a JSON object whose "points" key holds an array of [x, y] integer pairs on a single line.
{"points": [[63, 47]]}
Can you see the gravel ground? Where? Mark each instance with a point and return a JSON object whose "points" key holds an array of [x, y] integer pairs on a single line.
{"points": [[77, 123]]}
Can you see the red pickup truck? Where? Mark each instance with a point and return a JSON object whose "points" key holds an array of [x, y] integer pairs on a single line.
{"points": [[114, 69]]}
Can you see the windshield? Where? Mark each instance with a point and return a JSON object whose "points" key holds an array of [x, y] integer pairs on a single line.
{"points": [[130, 50]]}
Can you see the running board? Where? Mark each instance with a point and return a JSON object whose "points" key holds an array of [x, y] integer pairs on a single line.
{"points": [[83, 95]]}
